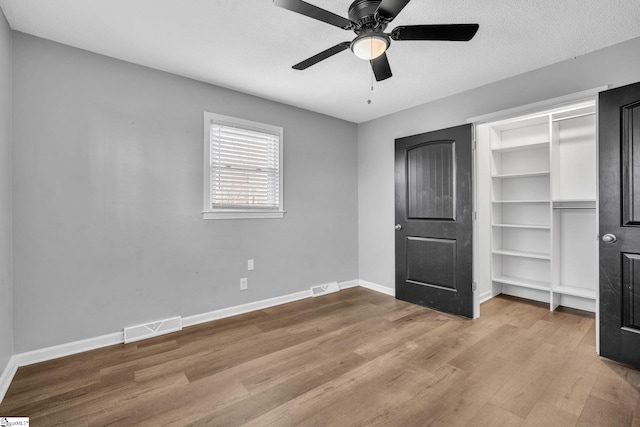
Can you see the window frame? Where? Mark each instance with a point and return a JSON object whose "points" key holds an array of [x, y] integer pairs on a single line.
{"points": [[240, 212]]}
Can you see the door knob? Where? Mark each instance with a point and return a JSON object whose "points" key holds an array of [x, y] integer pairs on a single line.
{"points": [[609, 238], [398, 227]]}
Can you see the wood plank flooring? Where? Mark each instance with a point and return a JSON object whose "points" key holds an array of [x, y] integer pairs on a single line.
{"points": [[355, 357]]}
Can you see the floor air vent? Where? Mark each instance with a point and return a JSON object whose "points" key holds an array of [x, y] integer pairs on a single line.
{"points": [[153, 329], [327, 288]]}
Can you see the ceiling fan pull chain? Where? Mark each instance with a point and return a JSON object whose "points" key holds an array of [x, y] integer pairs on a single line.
{"points": [[371, 96]]}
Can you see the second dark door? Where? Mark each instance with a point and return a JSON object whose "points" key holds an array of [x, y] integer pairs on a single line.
{"points": [[619, 139]]}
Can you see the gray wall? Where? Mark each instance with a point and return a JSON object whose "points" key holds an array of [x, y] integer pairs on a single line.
{"points": [[617, 65], [108, 195], [6, 284]]}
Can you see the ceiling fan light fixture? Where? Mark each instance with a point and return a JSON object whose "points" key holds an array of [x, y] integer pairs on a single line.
{"points": [[369, 46]]}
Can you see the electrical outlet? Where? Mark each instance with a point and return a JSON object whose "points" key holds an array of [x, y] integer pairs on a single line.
{"points": [[243, 284], [250, 265]]}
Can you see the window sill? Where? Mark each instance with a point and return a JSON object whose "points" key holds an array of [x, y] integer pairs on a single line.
{"points": [[243, 215]]}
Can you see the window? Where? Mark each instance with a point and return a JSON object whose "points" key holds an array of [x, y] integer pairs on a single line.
{"points": [[243, 169]]}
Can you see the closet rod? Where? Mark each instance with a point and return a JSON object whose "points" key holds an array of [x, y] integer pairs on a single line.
{"points": [[572, 207], [573, 117]]}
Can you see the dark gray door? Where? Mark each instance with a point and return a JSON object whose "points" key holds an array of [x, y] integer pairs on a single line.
{"points": [[433, 220], [619, 139]]}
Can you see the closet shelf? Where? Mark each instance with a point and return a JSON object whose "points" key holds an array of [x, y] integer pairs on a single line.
{"points": [[524, 283], [575, 291], [522, 254], [574, 207], [521, 175], [528, 226], [521, 201], [574, 204], [532, 146]]}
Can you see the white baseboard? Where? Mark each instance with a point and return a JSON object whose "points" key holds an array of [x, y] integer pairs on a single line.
{"points": [[578, 303], [253, 306], [244, 308], [526, 293], [349, 284], [56, 351], [378, 288], [7, 376], [61, 350], [486, 296]]}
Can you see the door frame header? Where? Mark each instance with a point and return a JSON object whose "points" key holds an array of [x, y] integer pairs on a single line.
{"points": [[537, 106]]}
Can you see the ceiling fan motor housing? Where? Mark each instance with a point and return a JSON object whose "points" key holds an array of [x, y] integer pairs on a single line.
{"points": [[363, 13]]}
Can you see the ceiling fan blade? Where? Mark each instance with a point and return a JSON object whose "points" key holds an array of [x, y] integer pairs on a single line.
{"points": [[389, 9], [451, 32], [322, 56], [381, 68], [315, 12]]}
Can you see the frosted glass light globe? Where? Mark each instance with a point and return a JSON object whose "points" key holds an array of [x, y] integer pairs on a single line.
{"points": [[368, 46]]}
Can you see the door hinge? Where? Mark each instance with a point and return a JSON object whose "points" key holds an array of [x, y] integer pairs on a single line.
{"points": [[474, 215], [474, 286], [473, 144]]}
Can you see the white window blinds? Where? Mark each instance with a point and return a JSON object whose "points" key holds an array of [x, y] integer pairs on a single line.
{"points": [[244, 167]]}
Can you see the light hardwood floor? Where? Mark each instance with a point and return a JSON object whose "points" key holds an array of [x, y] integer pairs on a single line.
{"points": [[351, 358]]}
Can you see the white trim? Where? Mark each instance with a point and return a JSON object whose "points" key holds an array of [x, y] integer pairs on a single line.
{"points": [[537, 106], [61, 350], [244, 308], [378, 288], [477, 298], [348, 284], [56, 351], [242, 215], [254, 306], [7, 376], [578, 303], [486, 296]]}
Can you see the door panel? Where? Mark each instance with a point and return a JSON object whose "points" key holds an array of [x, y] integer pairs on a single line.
{"points": [[433, 217], [631, 292], [619, 139], [431, 262], [630, 114], [431, 181]]}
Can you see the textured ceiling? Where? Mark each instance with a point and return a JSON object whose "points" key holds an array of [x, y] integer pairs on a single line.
{"points": [[250, 45]]}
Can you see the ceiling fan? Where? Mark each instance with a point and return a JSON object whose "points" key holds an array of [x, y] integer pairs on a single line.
{"points": [[368, 19]]}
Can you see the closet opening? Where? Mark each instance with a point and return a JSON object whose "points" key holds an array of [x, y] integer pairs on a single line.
{"points": [[536, 202]]}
